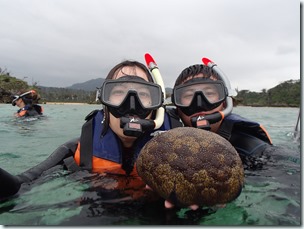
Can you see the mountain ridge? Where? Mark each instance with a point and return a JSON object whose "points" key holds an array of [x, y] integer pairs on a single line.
{"points": [[93, 84], [90, 85]]}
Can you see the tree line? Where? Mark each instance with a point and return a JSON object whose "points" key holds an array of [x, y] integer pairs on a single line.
{"points": [[286, 94]]}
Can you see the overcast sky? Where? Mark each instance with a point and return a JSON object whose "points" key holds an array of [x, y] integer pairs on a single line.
{"points": [[256, 43]]}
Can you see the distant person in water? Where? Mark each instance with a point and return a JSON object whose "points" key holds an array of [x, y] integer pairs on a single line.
{"points": [[27, 101]]}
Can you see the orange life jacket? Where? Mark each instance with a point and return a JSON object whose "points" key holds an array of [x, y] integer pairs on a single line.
{"points": [[103, 154], [131, 184]]}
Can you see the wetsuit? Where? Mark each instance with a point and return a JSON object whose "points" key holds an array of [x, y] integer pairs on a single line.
{"points": [[30, 110]]}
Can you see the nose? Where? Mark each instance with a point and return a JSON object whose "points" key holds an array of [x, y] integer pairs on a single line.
{"points": [[132, 103], [199, 101]]}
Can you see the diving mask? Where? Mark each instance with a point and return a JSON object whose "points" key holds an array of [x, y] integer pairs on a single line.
{"points": [[131, 95], [23, 97], [199, 94], [16, 97]]}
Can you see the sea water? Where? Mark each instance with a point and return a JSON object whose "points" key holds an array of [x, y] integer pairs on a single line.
{"points": [[270, 197]]}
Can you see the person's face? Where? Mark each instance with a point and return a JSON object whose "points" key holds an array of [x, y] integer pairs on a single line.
{"points": [[210, 91], [115, 122], [20, 103], [186, 99]]}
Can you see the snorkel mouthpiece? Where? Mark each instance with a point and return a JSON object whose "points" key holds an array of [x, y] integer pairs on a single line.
{"points": [[135, 127], [203, 122], [132, 120]]}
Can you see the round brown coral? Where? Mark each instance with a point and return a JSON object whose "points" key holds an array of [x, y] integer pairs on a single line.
{"points": [[191, 166]]}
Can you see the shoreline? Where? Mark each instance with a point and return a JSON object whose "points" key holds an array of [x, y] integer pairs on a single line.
{"points": [[71, 103], [65, 103]]}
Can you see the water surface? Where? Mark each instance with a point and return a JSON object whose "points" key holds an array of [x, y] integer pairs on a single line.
{"points": [[270, 197]]}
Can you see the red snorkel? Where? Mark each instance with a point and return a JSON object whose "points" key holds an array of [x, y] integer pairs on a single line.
{"points": [[204, 121], [160, 113]]}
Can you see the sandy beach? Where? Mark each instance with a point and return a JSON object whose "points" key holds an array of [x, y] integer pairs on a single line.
{"points": [[64, 103]]}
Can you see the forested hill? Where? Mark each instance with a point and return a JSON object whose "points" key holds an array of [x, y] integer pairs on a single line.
{"points": [[286, 94]]}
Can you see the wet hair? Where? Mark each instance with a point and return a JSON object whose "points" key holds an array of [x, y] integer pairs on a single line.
{"points": [[113, 75], [129, 63], [31, 98], [193, 70]]}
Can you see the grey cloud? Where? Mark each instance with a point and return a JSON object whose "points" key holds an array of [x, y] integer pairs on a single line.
{"points": [[61, 42]]}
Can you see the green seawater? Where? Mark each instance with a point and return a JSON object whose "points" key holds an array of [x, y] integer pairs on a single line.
{"points": [[270, 197]]}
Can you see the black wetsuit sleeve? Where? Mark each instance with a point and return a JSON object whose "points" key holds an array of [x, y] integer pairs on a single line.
{"points": [[65, 150], [38, 109], [31, 112], [10, 184], [247, 144]]}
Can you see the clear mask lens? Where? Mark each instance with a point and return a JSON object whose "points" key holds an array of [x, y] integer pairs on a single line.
{"points": [[115, 92], [213, 92]]}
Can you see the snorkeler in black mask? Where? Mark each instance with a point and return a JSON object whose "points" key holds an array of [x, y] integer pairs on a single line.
{"points": [[132, 99]]}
